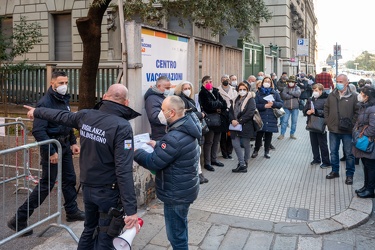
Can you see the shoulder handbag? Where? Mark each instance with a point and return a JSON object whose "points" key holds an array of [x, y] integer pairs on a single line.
{"points": [[316, 124], [362, 142], [204, 125], [213, 120], [257, 121], [278, 112]]}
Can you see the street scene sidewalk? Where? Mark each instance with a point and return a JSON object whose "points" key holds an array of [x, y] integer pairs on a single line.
{"points": [[280, 203]]}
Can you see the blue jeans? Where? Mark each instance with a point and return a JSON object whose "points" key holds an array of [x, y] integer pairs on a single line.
{"points": [[334, 145], [97, 200], [285, 119], [176, 225]]}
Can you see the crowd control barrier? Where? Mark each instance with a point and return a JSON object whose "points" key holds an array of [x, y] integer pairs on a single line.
{"points": [[13, 133], [15, 170]]}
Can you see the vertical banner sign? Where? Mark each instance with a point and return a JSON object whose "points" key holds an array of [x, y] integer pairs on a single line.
{"points": [[302, 47], [163, 54]]}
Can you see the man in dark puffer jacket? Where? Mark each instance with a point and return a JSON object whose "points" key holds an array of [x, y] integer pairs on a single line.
{"points": [[175, 161]]}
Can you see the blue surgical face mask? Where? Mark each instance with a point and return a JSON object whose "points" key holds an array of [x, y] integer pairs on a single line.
{"points": [[339, 86]]}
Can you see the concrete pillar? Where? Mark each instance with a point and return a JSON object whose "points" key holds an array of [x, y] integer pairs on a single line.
{"points": [[143, 180]]}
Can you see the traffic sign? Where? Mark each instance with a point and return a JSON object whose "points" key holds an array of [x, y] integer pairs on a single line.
{"points": [[302, 47], [337, 50]]}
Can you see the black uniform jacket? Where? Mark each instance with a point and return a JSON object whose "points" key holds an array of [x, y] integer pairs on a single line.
{"points": [[106, 146]]}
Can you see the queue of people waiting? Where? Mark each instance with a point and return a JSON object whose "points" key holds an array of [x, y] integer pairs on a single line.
{"points": [[228, 109]]}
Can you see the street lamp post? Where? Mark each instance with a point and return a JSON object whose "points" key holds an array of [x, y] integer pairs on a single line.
{"points": [[356, 65]]}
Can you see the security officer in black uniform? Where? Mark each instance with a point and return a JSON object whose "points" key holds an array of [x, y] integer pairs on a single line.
{"points": [[56, 98], [106, 162]]}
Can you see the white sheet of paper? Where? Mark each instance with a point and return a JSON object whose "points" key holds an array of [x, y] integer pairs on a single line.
{"points": [[269, 98], [140, 142], [197, 105], [235, 128], [2, 128]]}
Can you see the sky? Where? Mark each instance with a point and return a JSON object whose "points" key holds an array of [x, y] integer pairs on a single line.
{"points": [[349, 23]]}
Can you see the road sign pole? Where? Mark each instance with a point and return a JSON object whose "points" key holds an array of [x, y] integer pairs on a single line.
{"points": [[337, 64]]}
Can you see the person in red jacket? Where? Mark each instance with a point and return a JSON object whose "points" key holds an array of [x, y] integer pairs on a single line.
{"points": [[325, 79]]}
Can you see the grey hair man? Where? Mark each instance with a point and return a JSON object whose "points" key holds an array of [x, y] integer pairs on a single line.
{"points": [[340, 115]]}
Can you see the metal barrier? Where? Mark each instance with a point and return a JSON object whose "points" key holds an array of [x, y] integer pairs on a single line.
{"points": [[48, 210], [13, 134]]}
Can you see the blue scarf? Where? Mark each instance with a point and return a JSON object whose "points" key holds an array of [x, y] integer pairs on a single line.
{"points": [[266, 91]]}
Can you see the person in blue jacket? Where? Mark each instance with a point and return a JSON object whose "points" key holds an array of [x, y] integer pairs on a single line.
{"points": [[175, 161], [265, 109]]}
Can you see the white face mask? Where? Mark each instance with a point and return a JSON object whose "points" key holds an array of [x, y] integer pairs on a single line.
{"points": [[187, 92], [62, 89], [242, 92], [234, 83], [167, 92], [316, 94], [291, 84], [266, 85], [360, 98], [162, 118]]}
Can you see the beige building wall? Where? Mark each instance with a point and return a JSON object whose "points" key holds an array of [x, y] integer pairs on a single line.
{"points": [[291, 19], [42, 11]]}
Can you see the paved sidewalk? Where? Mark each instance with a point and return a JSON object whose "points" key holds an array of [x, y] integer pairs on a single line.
{"points": [[280, 203]]}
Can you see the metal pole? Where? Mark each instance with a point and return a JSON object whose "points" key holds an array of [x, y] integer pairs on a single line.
{"points": [[123, 43], [337, 64]]}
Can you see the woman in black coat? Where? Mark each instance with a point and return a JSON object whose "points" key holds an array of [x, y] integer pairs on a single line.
{"points": [[318, 140], [366, 122], [185, 90], [212, 102], [241, 114]]}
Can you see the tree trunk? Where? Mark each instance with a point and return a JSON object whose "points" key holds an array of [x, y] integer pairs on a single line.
{"points": [[89, 29]]}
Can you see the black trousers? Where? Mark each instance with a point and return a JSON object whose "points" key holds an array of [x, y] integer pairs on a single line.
{"points": [[226, 144], [97, 200], [47, 182], [267, 141], [319, 147], [369, 171]]}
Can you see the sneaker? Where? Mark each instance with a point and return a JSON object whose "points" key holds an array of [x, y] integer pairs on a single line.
{"points": [[77, 216], [21, 225], [280, 137], [314, 162], [293, 137], [272, 147]]}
